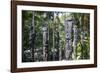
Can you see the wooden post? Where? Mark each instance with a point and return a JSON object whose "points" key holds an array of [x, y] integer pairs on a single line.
{"points": [[75, 40], [45, 42], [56, 50], [82, 35], [68, 35], [31, 37]]}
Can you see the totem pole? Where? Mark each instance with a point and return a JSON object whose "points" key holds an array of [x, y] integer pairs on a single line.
{"points": [[68, 36]]}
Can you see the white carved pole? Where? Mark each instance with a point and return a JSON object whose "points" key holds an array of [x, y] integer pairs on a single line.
{"points": [[68, 42], [45, 37], [45, 44]]}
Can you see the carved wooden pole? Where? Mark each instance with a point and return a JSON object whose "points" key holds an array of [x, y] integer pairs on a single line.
{"points": [[31, 37], [58, 54], [45, 43], [82, 35], [75, 39], [56, 50], [53, 52], [45, 37], [68, 35]]}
